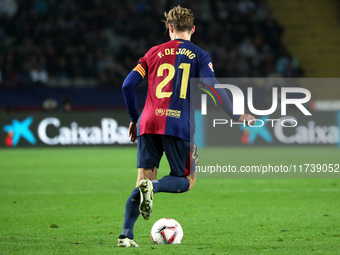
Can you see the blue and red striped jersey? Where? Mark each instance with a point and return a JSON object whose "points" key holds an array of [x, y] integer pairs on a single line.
{"points": [[169, 67]]}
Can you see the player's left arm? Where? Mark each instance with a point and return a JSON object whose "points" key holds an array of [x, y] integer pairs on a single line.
{"points": [[247, 118], [209, 83], [207, 75]]}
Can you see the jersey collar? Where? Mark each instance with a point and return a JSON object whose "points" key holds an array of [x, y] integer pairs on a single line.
{"points": [[182, 40]]}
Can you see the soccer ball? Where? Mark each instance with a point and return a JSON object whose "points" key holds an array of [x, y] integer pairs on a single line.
{"points": [[166, 231]]}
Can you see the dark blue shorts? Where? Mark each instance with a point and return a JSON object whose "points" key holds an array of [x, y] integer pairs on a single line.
{"points": [[182, 155]]}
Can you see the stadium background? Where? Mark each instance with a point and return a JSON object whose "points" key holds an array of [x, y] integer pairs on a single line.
{"points": [[61, 57], [62, 64]]}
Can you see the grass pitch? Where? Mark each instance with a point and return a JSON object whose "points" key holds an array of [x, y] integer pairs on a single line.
{"points": [[71, 201]]}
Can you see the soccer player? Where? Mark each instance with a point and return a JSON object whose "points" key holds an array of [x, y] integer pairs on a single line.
{"points": [[164, 125]]}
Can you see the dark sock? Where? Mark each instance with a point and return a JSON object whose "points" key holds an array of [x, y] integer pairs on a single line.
{"points": [[131, 214], [171, 184]]}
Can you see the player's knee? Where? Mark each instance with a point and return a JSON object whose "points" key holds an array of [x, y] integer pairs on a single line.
{"points": [[150, 173], [191, 182]]}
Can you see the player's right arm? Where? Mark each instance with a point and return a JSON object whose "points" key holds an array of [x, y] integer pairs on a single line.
{"points": [[130, 82], [134, 78]]}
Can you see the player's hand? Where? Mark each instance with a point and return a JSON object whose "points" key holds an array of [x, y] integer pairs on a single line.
{"points": [[250, 120], [133, 132]]}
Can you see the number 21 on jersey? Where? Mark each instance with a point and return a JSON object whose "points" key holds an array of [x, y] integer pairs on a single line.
{"points": [[171, 73]]}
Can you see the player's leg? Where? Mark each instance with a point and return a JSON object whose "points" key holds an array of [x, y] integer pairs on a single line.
{"points": [[132, 205], [182, 158], [148, 155], [130, 217]]}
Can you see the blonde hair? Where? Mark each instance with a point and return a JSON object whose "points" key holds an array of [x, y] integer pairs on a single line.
{"points": [[182, 19]]}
